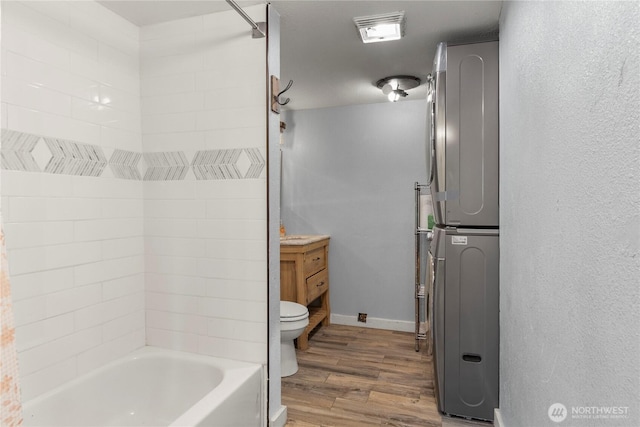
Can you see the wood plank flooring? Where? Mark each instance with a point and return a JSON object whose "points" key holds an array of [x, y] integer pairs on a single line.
{"points": [[358, 377]]}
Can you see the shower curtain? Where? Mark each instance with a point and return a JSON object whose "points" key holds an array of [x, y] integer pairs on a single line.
{"points": [[10, 406]]}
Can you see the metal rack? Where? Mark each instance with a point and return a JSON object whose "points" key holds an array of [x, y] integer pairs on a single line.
{"points": [[422, 284]]}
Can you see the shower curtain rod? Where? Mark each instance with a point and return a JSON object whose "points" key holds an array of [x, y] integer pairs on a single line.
{"points": [[258, 29]]}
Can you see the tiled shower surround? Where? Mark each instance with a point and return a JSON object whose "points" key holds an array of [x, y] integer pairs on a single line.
{"points": [[133, 186], [32, 153]]}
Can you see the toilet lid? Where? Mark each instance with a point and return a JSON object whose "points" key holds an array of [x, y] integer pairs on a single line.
{"points": [[289, 310]]}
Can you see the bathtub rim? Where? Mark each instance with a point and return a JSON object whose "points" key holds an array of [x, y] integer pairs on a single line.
{"points": [[231, 370]]}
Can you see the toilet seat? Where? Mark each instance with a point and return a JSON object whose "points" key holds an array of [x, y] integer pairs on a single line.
{"points": [[292, 311]]}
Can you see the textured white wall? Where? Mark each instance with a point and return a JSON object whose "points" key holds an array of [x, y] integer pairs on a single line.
{"points": [[570, 210]]}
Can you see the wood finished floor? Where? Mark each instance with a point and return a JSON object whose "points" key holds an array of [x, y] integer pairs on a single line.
{"points": [[357, 377]]}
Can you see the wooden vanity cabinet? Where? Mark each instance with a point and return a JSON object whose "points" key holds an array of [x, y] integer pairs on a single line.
{"points": [[304, 278]]}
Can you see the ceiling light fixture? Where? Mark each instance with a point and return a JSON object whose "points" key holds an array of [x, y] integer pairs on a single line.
{"points": [[395, 87], [380, 28]]}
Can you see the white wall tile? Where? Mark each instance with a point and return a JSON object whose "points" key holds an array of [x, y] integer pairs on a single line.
{"points": [[172, 246], [236, 249], [233, 269], [234, 138], [59, 350], [236, 289], [39, 258], [124, 247], [170, 228], [3, 108], [250, 95], [237, 330], [109, 351], [55, 29], [183, 209], [168, 65], [120, 138], [122, 326], [237, 209], [103, 229], [248, 311], [100, 114], [171, 303], [127, 63], [36, 234], [189, 141], [233, 349], [227, 229], [173, 103], [28, 209], [104, 74], [231, 189], [107, 188], [189, 323], [175, 284], [71, 71], [72, 299], [175, 83], [172, 340], [123, 208], [37, 333], [108, 269], [41, 123], [29, 310], [173, 265], [41, 74], [31, 285], [166, 123], [19, 41], [24, 94], [46, 379], [231, 118], [15, 183], [122, 286], [85, 61], [103, 312], [119, 99]]}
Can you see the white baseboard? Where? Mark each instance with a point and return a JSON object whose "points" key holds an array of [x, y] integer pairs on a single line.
{"points": [[497, 418], [374, 322], [280, 417]]}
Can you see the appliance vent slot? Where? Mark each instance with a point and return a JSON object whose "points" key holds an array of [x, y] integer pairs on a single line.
{"points": [[384, 18]]}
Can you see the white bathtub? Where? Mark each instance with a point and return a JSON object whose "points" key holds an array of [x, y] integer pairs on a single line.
{"points": [[156, 387]]}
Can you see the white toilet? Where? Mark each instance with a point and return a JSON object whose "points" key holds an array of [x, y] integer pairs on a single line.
{"points": [[294, 318]]}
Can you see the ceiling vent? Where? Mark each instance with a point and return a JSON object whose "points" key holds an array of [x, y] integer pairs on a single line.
{"points": [[380, 28]]}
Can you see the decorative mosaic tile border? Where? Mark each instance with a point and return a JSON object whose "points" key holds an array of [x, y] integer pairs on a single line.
{"points": [[32, 153]]}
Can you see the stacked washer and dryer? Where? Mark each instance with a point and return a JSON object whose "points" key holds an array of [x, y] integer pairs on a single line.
{"points": [[464, 182]]}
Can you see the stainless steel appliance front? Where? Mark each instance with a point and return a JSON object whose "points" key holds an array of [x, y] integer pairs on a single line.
{"points": [[465, 144], [466, 318]]}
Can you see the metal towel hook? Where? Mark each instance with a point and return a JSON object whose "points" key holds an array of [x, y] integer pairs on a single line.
{"points": [[286, 100]]}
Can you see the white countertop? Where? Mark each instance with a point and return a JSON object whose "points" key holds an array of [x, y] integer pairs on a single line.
{"points": [[302, 239]]}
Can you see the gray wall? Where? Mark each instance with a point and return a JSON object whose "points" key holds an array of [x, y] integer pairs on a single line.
{"points": [[570, 204], [349, 172]]}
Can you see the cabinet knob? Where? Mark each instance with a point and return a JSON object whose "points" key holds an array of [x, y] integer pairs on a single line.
{"points": [[320, 284]]}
